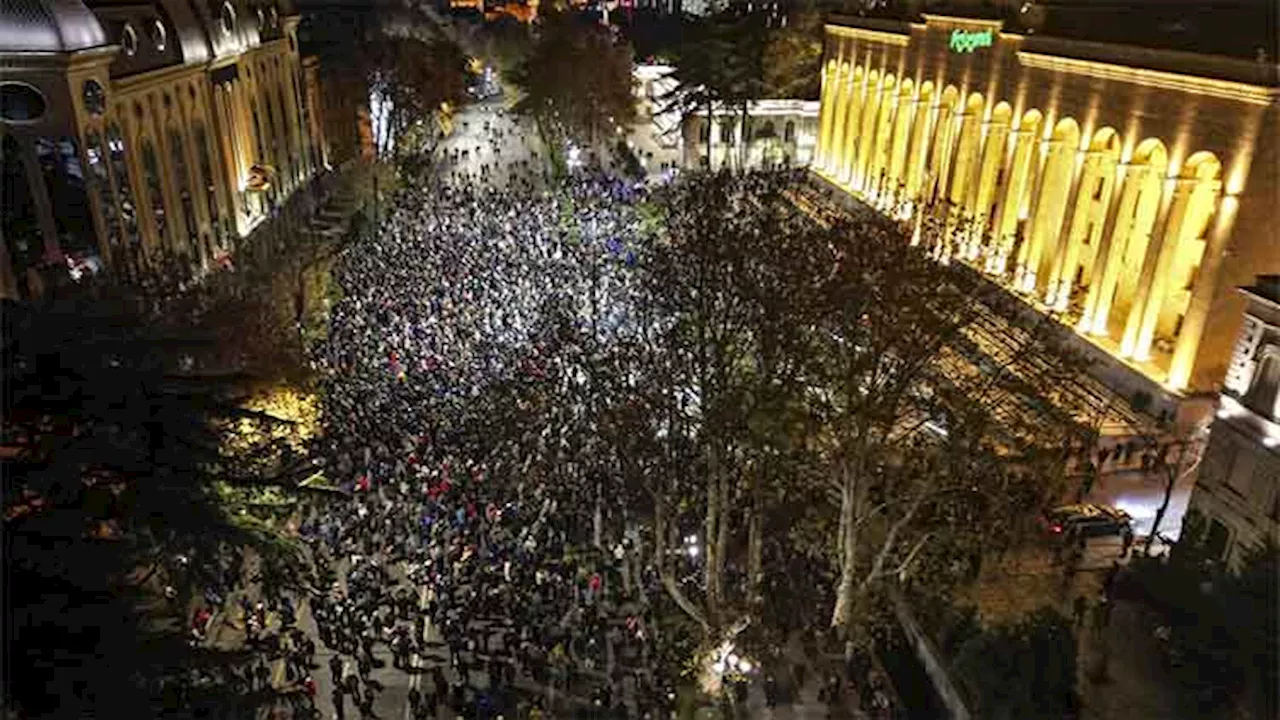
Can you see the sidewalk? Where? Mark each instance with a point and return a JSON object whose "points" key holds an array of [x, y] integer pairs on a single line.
{"points": [[1134, 686]]}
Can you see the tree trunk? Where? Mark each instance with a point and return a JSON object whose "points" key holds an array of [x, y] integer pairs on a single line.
{"points": [[755, 540], [711, 531], [661, 543], [842, 614]]}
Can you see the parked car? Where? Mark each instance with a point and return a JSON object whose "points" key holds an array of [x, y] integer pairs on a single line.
{"points": [[1087, 520]]}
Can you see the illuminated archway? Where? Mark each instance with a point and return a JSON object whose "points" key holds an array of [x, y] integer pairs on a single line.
{"points": [[983, 197], [1013, 195], [839, 107], [940, 157], [870, 109], [830, 89], [1073, 263], [882, 127], [1120, 257], [1051, 203], [966, 156], [1169, 272], [901, 136], [918, 152], [849, 128]]}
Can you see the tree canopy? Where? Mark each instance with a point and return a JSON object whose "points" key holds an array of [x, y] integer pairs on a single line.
{"points": [[122, 477], [575, 81]]}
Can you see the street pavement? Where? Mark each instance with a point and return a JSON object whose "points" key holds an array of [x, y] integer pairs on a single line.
{"points": [[499, 147]]}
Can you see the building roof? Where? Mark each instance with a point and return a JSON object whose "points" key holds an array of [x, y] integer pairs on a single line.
{"points": [[48, 26], [1233, 28]]}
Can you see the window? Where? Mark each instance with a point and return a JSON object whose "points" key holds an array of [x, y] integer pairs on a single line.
{"points": [[155, 192], [227, 18], [179, 151], [95, 98], [129, 40], [159, 36], [291, 138], [789, 131], [64, 182], [1216, 542], [128, 209], [1241, 477], [257, 131], [20, 221], [206, 179], [277, 157], [20, 102], [96, 155], [726, 133]]}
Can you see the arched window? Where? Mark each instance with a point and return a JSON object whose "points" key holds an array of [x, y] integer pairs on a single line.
{"points": [[124, 190], [272, 128], [102, 188], [290, 138], [64, 182], [155, 192], [179, 151], [789, 131], [257, 131], [20, 220], [206, 179]]}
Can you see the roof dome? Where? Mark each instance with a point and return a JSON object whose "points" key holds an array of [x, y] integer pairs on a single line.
{"points": [[48, 26]]}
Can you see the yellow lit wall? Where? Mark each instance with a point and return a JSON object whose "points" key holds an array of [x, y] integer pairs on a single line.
{"points": [[1128, 190]]}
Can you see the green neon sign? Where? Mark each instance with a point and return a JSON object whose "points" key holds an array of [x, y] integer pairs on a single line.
{"points": [[964, 41]]}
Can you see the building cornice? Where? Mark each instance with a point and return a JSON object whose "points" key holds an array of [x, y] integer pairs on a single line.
{"points": [[996, 25], [143, 82], [873, 35], [1227, 89], [59, 60]]}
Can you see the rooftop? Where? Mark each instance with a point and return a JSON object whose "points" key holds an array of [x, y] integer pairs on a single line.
{"points": [[48, 26], [1234, 28]]}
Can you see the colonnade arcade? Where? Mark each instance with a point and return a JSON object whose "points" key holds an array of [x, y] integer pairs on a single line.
{"points": [[1112, 243]]}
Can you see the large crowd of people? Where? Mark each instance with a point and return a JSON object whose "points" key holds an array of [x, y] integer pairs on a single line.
{"points": [[482, 577], [467, 539]]}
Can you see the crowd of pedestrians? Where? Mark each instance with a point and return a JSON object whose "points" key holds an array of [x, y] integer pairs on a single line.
{"points": [[488, 581]]}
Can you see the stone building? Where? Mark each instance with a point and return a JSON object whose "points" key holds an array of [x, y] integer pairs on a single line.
{"points": [[777, 133], [1236, 502], [1127, 187], [147, 137]]}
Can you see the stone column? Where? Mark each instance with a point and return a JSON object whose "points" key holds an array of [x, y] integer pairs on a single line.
{"points": [[1109, 259], [836, 144], [856, 105], [1202, 293], [1151, 291]]}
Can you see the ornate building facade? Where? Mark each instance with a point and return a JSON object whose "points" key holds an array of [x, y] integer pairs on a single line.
{"points": [[1236, 503], [147, 137], [1128, 190]]}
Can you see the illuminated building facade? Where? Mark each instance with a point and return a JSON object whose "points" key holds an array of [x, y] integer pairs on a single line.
{"points": [[777, 133], [1236, 502], [147, 136], [1127, 189]]}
